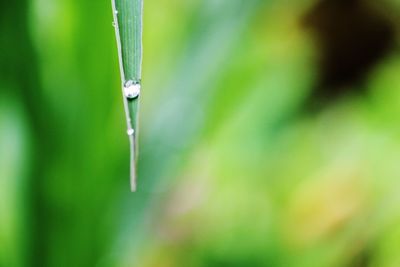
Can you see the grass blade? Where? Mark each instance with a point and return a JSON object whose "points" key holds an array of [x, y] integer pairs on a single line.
{"points": [[128, 29]]}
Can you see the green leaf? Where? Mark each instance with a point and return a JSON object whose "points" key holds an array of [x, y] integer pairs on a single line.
{"points": [[128, 28]]}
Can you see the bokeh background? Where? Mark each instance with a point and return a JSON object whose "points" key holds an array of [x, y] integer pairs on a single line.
{"points": [[270, 135]]}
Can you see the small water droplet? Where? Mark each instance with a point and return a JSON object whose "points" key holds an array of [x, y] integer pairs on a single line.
{"points": [[116, 12], [114, 24], [131, 132], [131, 89]]}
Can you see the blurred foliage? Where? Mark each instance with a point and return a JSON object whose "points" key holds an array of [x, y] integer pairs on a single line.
{"points": [[234, 169]]}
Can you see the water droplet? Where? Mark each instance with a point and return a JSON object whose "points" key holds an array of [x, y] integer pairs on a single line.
{"points": [[131, 89], [131, 132], [114, 24], [116, 12]]}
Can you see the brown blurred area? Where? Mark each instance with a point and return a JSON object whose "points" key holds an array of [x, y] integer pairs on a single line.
{"points": [[353, 37]]}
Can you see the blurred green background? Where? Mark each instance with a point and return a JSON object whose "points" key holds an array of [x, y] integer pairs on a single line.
{"points": [[270, 135]]}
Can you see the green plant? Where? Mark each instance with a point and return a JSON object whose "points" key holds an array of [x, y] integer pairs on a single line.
{"points": [[128, 29]]}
